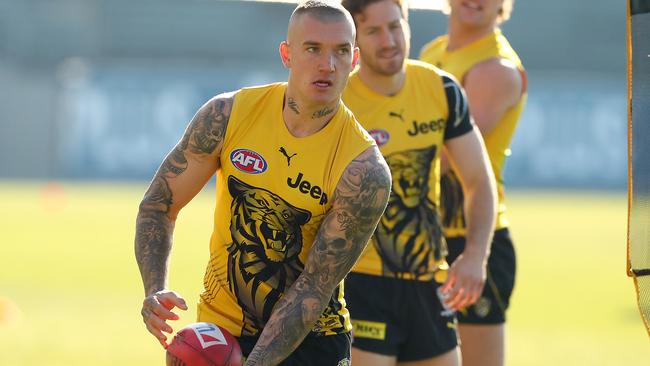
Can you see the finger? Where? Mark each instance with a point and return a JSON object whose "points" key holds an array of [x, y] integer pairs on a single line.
{"points": [[158, 334], [456, 295], [475, 292], [475, 295], [459, 303], [155, 306], [465, 301], [171, 299], [479, 290], [163, 342], [164, 313], [449, 283], [152, 319], [160, 324]]}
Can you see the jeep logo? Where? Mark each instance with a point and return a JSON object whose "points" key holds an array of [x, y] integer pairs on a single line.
{"points": [[426, 127], [306, 187]]}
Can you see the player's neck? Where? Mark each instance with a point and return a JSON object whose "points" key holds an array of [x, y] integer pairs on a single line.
{"points": [[461, 35], [387, 85], [303, 119]]}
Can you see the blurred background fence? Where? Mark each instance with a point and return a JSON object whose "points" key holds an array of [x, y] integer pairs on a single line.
{"points": [[103, 88]]}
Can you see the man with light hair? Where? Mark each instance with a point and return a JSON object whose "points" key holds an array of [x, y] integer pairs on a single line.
{"points": [[290, 219], [479, 56]]}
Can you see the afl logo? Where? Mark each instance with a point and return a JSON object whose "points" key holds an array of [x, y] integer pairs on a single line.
{"points": [[381, 136], [248, 161]]}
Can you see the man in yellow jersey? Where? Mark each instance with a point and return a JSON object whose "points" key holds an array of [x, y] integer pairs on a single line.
{"points": [[413, 110], [478, 55], [290, 219]]}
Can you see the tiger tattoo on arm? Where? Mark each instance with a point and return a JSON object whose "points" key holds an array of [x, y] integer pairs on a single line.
{"points": [[358, 202]]}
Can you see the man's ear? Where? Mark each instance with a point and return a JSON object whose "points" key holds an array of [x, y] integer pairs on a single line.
{"points": [[355, 56], [284, 54]]}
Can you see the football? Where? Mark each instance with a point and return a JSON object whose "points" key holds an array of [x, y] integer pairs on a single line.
{"points": [[204, 344]]}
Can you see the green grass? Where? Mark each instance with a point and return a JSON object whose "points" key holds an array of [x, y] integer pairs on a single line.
{"points": [[66, 261]]}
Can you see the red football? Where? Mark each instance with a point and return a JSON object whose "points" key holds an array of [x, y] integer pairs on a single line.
{"points": [[204, 344]]}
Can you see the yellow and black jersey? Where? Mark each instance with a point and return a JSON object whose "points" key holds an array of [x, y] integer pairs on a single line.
{"points": [[458, 63], [410, 129], [273, 190]]}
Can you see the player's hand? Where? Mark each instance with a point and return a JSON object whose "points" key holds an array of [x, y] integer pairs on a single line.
{"points": [[465, 281], [156, 310]]}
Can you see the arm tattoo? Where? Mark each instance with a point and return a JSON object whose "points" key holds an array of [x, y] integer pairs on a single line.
{"points": [[209, 126], [293, 105], [322, 113], [358, 203], [154, 225]]}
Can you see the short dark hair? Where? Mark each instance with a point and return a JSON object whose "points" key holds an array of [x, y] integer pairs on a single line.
{"points": [[322, 10], [356, 7]]}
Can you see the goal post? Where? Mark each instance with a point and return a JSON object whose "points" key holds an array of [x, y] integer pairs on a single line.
{"points": [[638, 238]]}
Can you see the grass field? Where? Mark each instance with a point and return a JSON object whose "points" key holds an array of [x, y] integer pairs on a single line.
{"points": [[71, 291]]}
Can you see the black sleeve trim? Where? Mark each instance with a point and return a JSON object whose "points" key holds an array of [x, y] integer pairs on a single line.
{"points": [[458, 121]]}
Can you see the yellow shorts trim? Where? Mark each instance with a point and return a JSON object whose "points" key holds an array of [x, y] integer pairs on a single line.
{"points": [[368, 329]]}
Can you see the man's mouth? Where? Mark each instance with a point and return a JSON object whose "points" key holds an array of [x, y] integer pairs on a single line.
{"points": [[472, 5], [389, 53], [323, 83]]}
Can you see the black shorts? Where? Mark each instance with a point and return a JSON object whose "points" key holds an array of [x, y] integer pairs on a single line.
{"points": [[331, 350], [491, 306], [402, 318]]}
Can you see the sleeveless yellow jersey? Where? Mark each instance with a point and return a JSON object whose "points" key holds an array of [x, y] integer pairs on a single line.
{"points": [[409, 128], [273, 190], [497, 142]]}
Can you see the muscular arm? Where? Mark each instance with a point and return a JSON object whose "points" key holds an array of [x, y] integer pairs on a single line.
{"points": [[465, 149], [180, 177], [358, 202], [490, 104], [470, 162]]}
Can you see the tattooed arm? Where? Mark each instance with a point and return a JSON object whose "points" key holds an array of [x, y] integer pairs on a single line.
{"points": [[180, 177], [358, 202]]}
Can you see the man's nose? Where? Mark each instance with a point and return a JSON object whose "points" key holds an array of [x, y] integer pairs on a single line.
{"points": [[328, 62], [387, 39]]}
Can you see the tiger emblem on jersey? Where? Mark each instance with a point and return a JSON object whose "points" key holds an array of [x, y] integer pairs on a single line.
{"points": [[263, 258], [408, 237], [451, 201]]}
